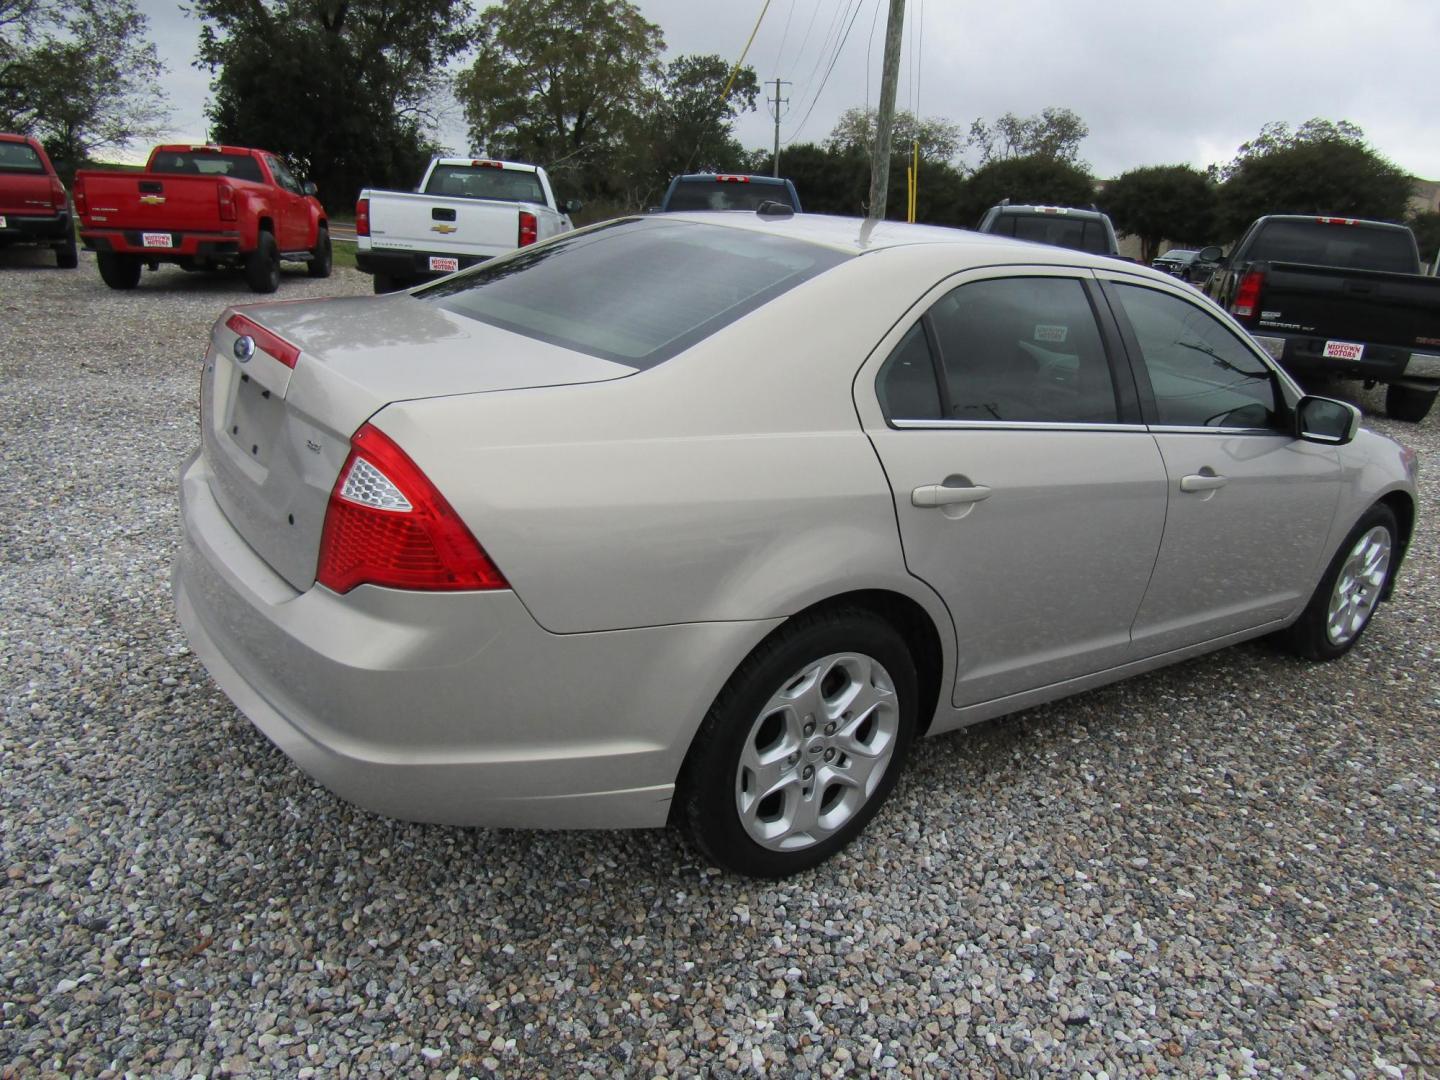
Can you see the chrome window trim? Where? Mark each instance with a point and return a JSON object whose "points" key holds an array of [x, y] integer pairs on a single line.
{"points": [[1183, 429], [1021, 425]]}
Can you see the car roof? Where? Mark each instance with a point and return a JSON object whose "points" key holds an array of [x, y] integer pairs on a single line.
{"points": [[858, 236], [749, 177], [1332, 218], [1043, 210], [508, 166], [29, 140]]}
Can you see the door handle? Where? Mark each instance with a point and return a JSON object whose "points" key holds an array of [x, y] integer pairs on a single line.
{"points": [[1205, 480], [940, 495]]}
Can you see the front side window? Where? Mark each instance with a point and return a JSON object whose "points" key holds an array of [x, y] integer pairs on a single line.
{"points": [[1023, 349], [1200, 373], [283, 176]]}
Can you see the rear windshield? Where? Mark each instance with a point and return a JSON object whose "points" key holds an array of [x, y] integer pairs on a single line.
{"points": [[18, 157], [1353, 247], [1179, 255], [207, 163], [725, 195], [1056, 229], [485, 182], [635, 291]]}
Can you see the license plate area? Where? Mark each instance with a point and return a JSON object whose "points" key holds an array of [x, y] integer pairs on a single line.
{"points": [[157, 240], [1343, 350], [444, 264], [254, 420]]}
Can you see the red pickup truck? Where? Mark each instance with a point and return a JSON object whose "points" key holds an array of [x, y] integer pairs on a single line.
{"points": [[202, 208], [34, 208]]}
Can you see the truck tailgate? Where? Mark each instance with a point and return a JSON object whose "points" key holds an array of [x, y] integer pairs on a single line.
{"points": [[146, 200], [1367, 306], [403, 221]]}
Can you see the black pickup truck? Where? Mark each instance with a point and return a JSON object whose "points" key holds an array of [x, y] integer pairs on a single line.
{"points": [[1338, 297]]}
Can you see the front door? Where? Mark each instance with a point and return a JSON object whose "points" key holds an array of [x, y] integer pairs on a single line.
{"points": [[1027, 495], [1250, 505]]}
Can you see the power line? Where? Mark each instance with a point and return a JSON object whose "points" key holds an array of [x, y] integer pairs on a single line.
{"points": [[839, 48], [836, 21], [784, 36]]}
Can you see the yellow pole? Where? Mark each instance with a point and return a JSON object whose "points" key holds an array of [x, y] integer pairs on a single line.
{"points": [[909, 194], [915, 184]]}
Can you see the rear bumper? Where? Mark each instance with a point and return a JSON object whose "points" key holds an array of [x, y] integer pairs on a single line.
{"points": [[185, 245], [454, 708], [1303, 355], [34, 228], [410, 265]]}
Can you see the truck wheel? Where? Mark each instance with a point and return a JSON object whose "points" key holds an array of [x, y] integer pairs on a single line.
{"points": [[119, 271], [67, 257], [262, 266], [1409, 403], [321, 258]]}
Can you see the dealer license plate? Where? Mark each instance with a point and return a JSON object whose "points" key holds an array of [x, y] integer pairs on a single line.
{"points": [[157, 239], [1344, 350], [443, 265]]}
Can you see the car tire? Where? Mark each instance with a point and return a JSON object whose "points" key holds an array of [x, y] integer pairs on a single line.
{"points": [[1409, 403], [321, 257], [803, 744], [119, 271], [1354, 583], [262, 266], [67, 255]]}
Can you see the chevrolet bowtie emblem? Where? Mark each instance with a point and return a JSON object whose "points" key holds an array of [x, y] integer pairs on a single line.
{"points": [[152, 200], [443, 230]]}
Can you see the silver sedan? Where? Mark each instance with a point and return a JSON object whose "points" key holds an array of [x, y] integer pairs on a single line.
{"points": [[705, 518]]}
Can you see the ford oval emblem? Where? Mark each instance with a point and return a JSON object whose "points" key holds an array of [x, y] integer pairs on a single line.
{"points": [[244, 348]]}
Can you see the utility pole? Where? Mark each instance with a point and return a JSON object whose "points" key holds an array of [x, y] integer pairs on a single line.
{"points": [[777, 101], [885, 118]]}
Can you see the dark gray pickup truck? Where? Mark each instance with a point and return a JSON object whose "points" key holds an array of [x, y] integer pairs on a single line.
{"points": [[1338, 297]]}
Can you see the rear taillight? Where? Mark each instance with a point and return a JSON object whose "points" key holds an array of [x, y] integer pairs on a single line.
{"points": [[362, 218], [1247, 295], [57, 193], [265, 340], [529, 228], [387, 525], [226, 194], [81, 206]]}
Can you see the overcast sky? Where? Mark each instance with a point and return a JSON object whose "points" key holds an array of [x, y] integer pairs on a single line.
{"points": [[1157, 82]]}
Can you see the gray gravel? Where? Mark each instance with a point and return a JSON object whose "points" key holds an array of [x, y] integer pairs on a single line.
{"points": [[1226, 868]]}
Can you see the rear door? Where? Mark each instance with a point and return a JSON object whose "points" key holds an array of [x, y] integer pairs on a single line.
{"points": [[1027, 492], [1248, 505]]}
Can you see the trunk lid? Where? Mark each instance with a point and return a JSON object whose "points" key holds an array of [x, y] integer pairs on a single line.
{"points": [[275, 438], [402, 221], [159, 201]]}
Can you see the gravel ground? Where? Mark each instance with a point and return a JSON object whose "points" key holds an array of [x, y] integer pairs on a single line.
{"points": [[1226, 868]]}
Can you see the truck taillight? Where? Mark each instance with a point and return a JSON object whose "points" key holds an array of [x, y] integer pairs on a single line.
{"points": [[1247, 295], [81, 206], [226, 194], [529, 229], [57, 193], [362, 218], [388, 525]]}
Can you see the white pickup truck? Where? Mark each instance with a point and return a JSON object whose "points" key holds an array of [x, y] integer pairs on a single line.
{"points": [[466, 210]]}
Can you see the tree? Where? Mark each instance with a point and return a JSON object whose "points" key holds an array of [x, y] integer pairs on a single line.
{"points": [[80, 74], [1034, 179], [855, 130], [1323, 168], [1426, 226], [1173, 202], [344, 88], [561, 83], [1055, 134]]}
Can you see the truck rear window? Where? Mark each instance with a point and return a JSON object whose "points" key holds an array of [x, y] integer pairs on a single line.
{"points": [[635, 291], [1352, 247], [725, 195], [1077, 234], [485, 182], [19, 158], [207, 163]]}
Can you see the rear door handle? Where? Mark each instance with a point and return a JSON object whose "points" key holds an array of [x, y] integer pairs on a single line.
{"points": [[940, 495], [1204, 480]]}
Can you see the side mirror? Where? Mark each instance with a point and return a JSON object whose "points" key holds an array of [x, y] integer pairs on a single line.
{"points": [[1210, 254], [572, 205], [1325, 420], [308, 188]]}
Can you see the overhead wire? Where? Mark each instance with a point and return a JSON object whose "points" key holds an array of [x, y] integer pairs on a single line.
{"points": [[834, 58], [784, 36]]}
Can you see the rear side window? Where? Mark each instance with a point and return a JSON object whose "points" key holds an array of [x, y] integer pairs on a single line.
{"points": [[906, 384], [1199, 372], [1023, 349], [485, 182], [1354, 247], [725, 195], [207, 163], [19, 158], [635, 291]]}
